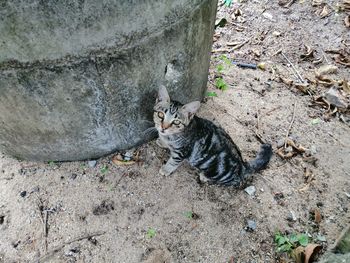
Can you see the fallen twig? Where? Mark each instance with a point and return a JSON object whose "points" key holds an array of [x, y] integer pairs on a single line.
{"points": [[241, 45], [46, 229], [293, 67], [290, 126], [58, 248], [43, 221]]}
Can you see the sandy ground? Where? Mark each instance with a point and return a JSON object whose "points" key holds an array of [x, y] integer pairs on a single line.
{"points": [[72, 212]]}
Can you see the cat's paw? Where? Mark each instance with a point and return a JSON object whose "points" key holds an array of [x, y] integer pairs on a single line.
{"points": [[163, 171], [203, 179], [160, 143]]}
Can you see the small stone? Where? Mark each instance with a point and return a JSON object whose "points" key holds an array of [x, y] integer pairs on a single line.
{"points": [[36, 189], [294, 17], [335, 98], [92, 163], [276, 33], [73, 176], [23, 193], [250, 190], [280, 143], [313, 149], [268, 16], [289, 149], [292, 217], [251, 225]]}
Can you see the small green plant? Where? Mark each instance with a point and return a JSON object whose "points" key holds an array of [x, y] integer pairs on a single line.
{"points": [[51, 163], [286, 243], [189, 214], [220, 83], [211, 94], [151, 232], [219, 68], [104, 169], [225, 59]]}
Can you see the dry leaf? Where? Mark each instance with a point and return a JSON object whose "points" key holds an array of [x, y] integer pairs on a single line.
{"points": [[119, 162], [346, 86], [311, 252], [342, 59], [346, 5], [317, 2], [326, 69], [347, 21], [317, 216], [286, 81], [298, 254], [325, 11], [309, 53]]}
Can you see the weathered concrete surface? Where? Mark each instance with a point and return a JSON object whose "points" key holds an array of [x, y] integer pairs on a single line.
{"points": [[78, 79]]}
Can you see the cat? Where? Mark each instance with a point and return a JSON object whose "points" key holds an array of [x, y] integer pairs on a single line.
{"points": [[204, 145]]}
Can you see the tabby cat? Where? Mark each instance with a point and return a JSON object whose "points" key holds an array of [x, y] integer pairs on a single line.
{"points": [[203, 144]]}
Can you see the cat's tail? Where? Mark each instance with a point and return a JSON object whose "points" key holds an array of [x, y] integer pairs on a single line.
{"points": [[261, 160]]}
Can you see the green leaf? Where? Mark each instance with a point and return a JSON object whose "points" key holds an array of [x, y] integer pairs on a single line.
{"points": [[225, 59], [220, 84], [281, 241], [293, 238], [285, 248], [211, 94], [220, 67], [189, 214], [151, 232], [303, 239], [51, 163], [315, 121], [104, 169], [321, 238]]}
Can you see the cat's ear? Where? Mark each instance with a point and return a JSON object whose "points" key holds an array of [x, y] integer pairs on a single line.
{"points": [[163, 95], [191, 108]]}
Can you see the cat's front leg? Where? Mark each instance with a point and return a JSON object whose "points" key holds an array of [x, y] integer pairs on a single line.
{"points": [[171, 165]]}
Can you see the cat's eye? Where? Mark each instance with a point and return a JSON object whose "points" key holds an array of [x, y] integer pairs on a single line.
{"points": [[176, 122], [160, 114]]}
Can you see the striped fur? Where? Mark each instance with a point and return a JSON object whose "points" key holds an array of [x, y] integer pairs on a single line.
{"points": [[203, 144]]}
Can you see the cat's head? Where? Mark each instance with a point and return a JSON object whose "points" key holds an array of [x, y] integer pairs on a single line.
{"points": [[171, 117]]}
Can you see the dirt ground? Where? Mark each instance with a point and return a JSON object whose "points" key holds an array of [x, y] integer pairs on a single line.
{"points": [[111, 213]]}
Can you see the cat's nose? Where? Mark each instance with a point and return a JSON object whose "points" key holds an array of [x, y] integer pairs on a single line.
{"points": [[165, 125]]}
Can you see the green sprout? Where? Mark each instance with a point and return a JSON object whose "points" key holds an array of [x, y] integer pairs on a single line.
{"points": [[104, 169], [286, 243], [151, 232], [220, 84]]}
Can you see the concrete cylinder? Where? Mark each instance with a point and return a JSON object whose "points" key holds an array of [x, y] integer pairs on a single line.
{"points": [[78, 79]]}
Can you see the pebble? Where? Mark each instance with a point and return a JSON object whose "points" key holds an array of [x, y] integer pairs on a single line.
{"points": [[92, 163], [36, 189], [289, 149], [250, 190], [268, 16], [280, 143], [313, 149], [292, 216], [294, 17], [23, 193], [251, 225], [73, 176]]}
